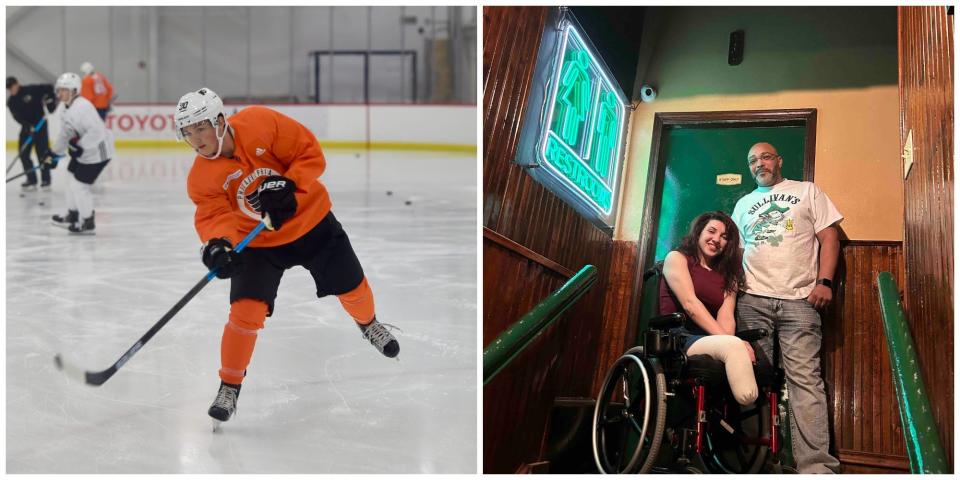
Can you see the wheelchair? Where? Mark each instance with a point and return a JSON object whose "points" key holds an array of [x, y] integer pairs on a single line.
{"points": [[660, 411]]}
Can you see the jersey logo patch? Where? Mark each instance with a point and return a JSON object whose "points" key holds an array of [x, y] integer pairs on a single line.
{"points": [[248, 182], [260, 151], [233, 176]]}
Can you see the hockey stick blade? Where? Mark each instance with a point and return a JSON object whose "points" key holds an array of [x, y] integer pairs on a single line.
{"points": [[69, 368], [38, 167], [99, 378], [76, 373]]}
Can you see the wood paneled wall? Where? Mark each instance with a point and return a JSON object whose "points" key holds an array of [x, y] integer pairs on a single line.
{"points": [[560, 362], [926, 106], [856, 364], [619, 330], [527, 230]]}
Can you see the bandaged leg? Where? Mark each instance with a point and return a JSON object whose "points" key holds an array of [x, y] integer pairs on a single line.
{"points": [[733, 353], [82, 198], [359, 303], [239, 337]]}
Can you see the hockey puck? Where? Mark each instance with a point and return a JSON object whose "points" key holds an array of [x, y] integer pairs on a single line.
{"points": [[389, 192], [58, 362], [23, 195], [41, 203], [408, 202]]}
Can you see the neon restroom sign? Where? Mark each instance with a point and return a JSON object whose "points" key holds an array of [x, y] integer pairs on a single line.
{"points": [[580, 141]]}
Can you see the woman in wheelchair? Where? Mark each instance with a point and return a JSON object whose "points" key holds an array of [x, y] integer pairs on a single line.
{"points": [[701, 278], [664, 405]]}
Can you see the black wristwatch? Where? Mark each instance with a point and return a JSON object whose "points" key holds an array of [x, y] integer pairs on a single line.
{"points": [[826, 282]]}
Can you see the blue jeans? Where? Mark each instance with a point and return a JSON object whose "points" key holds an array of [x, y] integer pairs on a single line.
{"points": [[797, 324], [688, 339]]}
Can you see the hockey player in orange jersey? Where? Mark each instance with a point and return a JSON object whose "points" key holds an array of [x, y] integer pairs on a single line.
{"points": [[97, 89], [261, 164]]}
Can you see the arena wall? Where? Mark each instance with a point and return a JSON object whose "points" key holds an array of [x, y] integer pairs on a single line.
{"points": [[450, 128]]}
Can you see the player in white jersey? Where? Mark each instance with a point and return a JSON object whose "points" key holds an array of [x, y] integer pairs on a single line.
{"points": [[86, 139]]}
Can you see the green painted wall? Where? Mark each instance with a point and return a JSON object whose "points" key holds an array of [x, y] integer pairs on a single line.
{"points": [[841, 61], [786, 48]]}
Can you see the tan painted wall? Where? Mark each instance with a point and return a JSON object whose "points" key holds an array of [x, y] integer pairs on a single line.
{"points": [[857, 161]]}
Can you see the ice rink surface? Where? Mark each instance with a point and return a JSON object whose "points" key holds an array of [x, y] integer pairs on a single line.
{"points": [[317, 398]]}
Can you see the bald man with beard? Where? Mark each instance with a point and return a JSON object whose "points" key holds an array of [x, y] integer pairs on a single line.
{"points": [[788, 230]]}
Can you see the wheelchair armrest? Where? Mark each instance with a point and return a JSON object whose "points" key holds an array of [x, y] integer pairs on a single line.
{"points": [[753, 334], [656, 269], [670, 320]]}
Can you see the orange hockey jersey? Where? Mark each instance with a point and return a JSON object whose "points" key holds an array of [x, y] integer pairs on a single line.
{"points": [[267, 143], [97, 89]]}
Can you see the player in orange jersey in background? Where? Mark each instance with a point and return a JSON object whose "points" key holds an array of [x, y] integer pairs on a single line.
{"points": [[96, 88], [258, 165]]}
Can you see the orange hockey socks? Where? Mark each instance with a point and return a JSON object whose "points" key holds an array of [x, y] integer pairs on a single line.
{"points": [[239, 337], [359, 303]]}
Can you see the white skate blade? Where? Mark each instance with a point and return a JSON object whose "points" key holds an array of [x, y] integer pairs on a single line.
{"points": [[216, 425]]}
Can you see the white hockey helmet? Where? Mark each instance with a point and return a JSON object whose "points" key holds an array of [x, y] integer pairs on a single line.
{"points": [[86, 68], [69, 81], [199, 106]]}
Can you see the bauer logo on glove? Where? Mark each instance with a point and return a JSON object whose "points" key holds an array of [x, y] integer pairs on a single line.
{"points": [[275, 197]]}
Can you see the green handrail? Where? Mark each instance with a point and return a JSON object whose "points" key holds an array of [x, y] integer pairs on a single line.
{"points": [[515, 339], [919, 428]]}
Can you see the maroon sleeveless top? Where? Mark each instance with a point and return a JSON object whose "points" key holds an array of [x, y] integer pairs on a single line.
{"points": [[707, 285]]}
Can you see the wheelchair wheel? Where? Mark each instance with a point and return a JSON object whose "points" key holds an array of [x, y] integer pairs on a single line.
{"points": [[629, 416], [725, 451]]}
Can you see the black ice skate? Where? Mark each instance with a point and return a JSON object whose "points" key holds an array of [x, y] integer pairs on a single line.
{"points": [[45, 186], [225, 403], [82, 228], [29, 186], [380, 337], [73, 216]]}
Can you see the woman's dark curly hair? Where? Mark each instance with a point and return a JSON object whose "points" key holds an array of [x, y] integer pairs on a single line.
{"points": [[729, 262]]}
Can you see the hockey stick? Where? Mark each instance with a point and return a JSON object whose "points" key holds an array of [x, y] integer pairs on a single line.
{"points": [[26, 145], [56, 160], [98, 378]]}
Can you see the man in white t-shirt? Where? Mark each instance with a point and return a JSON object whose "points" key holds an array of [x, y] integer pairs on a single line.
{"points": [[791, 244]]}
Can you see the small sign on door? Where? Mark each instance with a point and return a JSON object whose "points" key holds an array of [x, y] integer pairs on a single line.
{"points": [[728, 179]]}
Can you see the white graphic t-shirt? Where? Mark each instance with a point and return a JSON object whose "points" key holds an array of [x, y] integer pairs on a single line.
{"points": [[778, 232]]}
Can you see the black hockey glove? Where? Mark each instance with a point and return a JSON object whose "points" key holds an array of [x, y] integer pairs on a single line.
{"points": [[74, 149], [219, 253], [275, 197], [50, 102]]}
